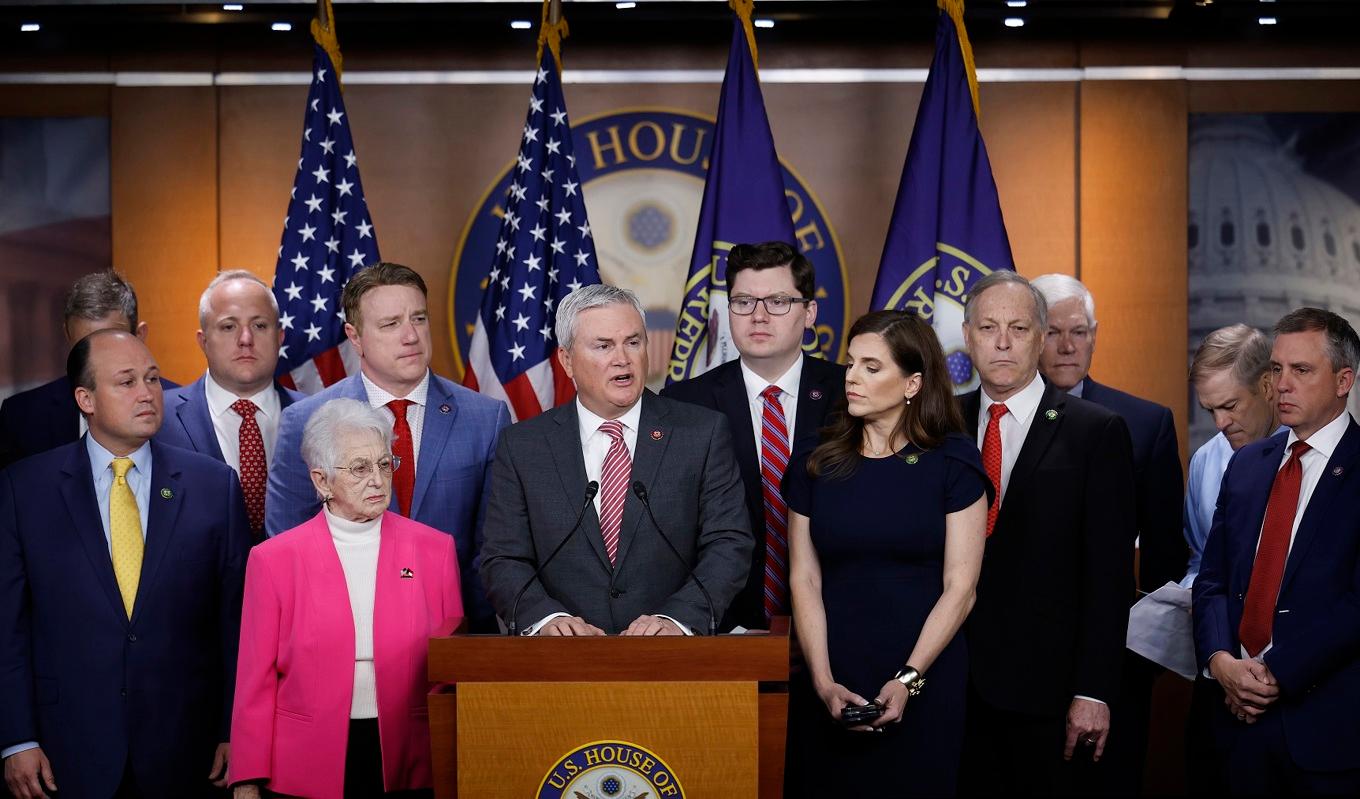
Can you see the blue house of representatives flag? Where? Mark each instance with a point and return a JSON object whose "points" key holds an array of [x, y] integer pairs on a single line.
{"points": [[544, 252], [946, 231], [743, 203], [327, 237]]}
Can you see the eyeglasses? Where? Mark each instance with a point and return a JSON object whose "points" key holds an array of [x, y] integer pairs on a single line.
{"points": [[361, 469], [777, 305]]}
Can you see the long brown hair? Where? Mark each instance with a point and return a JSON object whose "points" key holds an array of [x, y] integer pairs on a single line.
{"points": [[932, 415]]}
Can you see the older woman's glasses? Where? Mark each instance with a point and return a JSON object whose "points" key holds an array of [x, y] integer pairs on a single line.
{"points": [[777, 305], [361, 469]]}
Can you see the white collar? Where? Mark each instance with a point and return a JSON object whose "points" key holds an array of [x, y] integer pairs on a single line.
{"points": [[378, 396], [1326, 439], [590, 423], [220, 400], [1022, 404], [787, 382]]}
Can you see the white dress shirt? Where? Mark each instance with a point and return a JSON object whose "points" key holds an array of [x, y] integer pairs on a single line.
{"points": [[357, 544], [227, 422], [788, 397], [415, 412], [594, 448], [1020, 410]]}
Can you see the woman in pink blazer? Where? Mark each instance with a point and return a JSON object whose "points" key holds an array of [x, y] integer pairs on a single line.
{"points": [[331, 678]]}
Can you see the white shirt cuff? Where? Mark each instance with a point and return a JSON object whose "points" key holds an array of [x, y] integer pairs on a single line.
{"points": [[17, 748], [543, 621], [1090, 699], [684, 629]]}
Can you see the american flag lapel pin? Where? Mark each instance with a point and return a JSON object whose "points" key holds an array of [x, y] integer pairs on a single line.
{"points": [[407, 574]]}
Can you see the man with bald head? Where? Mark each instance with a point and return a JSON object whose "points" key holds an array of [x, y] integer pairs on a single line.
{"points": [[1046, 636], [121, 570], [232, 413]]}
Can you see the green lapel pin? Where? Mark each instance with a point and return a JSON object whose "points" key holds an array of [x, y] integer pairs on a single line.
{"points": [[167, 493], [912, 459], [1050, 414]]}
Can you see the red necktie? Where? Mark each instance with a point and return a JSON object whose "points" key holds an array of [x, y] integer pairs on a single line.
{"points": [[1258, 613], [253, 469], [991, 458], [774, 459], [403, 478], [614, 477]]}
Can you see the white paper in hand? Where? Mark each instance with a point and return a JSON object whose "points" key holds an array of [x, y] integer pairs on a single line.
{"points": [[1160, 629]]}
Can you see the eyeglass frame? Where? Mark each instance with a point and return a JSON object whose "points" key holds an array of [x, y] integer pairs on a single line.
{"points": [[396, 464], [765, 301]]}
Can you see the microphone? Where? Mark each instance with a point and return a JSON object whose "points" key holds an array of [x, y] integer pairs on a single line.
{"points": [[592, 488], [640, 491]]}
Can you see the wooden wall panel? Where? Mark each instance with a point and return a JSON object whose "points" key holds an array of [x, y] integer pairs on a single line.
{"points": [[1133, 246], [164, 172]]}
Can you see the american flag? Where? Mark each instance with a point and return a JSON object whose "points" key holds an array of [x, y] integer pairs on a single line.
{"points": [[545, 251], [327, 237]]}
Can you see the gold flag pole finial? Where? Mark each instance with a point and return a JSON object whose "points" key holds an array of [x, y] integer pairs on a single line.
{"points": [[954, 8], [552, 31], [744, 9], [323, 31]]}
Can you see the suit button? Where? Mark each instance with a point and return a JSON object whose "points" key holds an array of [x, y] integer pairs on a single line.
{"points": [[132, 637], [614, 593]]}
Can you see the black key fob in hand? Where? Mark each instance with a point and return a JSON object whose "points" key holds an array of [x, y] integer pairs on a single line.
{"points": [[856, 715]]}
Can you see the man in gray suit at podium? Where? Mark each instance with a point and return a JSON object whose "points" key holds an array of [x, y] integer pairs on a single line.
{"points": [[570, 491]]}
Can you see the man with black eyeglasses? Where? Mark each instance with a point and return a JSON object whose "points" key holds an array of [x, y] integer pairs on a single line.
{"points": [[776, 397]]}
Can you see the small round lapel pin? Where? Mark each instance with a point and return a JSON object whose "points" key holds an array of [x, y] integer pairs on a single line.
{"points": [[1338, 471], [445, 408], [912, 459], [657, 434], [167, 493], [1050, 414], [815, 394]]}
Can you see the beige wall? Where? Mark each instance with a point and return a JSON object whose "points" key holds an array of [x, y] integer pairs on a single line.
{"points": [[1092, 176]]}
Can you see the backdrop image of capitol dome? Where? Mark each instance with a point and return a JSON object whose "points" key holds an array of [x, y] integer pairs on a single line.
{"points": [[1274, 224]]}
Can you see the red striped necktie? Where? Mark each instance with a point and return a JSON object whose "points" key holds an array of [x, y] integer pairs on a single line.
{"points": [[774, 460], [614, 478]]}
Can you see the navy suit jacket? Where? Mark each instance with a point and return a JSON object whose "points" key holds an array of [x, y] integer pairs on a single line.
{"points": [[457, 446], [40, 419], [1163, 555], [1052, 599], [820, 389], [188, 422], [1315, 652], [95, 689]]}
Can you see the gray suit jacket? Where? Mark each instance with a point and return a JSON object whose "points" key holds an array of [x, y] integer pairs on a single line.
{"points": [[538, 483]]}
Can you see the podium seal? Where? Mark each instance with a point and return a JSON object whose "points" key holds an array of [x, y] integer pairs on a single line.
{"points": [[610, 770]]}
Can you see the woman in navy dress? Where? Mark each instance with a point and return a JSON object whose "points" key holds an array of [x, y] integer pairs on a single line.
{"points": [[886, 533]]}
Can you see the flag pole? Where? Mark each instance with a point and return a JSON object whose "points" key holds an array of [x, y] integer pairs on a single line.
{"points": [[551, 31], [744, 10], [323, 31], [954, 8]]}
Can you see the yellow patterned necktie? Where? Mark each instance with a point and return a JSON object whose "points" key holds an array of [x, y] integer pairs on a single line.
{"points": [[125, 534]]}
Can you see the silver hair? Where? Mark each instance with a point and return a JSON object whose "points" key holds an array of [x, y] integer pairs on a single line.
{"points": [[1060, 288], [323, 432], [1002, 277], [585, 298], [98, 294], [1240, 348], [204, 299]]}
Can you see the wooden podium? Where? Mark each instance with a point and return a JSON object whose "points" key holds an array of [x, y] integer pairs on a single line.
{"points": [[711, 710]]}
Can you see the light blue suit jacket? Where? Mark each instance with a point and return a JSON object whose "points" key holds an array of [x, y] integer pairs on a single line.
{"points": [[457, 446]]}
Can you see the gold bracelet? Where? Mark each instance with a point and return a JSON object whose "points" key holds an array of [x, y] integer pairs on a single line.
{"points": [[912, 679]]}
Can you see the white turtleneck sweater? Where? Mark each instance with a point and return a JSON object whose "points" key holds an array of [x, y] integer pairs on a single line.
{"points": [[357, 544]]}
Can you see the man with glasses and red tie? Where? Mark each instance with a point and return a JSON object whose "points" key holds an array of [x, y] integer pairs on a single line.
{"points": [[1277, 599], [620, 512], [232, 413], [775, 398]]}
